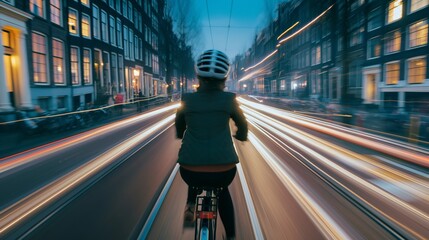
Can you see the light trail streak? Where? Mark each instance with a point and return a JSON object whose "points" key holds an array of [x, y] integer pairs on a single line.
{"points": [[279, 129], [414, 157], [40, 199], [287, 30], [348, 157], [261, 71], [329, 228], [263, 60], [305, 27], [19, 159]]}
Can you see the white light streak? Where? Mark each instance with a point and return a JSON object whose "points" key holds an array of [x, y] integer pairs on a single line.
{"points": [[306, 26], [263, 60], [40, 199]]}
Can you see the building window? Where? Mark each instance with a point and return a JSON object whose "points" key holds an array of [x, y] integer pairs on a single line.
{"points": [[124, 8], [58, 59], [85, 2], [39, 58], [106, 73], [73, 23], [394, 11], [418, 4], [130, 11], [56, 12], [136, 47], [357, 37], [418, 34], [392, 73], [74, 63], [126, 42], [96, 22], [118, 6], [393, 41], [86, 26], [104, 28], [155, 64], [111, 4], [282, 85], [374, 47], [6, 39], [417, 70], [375, 19], [61, 102], [131, 41], [112, 23], [87, 79], [115, 72], [37, 7], [119, 32], [121, 73]]}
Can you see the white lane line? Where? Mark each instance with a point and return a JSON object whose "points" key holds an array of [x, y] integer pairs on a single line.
{"points": [[152, 216], [257, 230], [322, 220]]}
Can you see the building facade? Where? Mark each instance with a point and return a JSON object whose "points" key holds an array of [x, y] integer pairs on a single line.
{"points": [[359, 51], [61, 55]]}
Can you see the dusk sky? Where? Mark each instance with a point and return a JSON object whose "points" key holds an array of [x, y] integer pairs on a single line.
{"points": [[247, 18]]}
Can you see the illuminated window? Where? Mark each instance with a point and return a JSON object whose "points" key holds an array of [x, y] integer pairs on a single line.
{"points": [[394, 11], [56, 12], [418, 34], [6, 38], [73, 23], [74, 63], [418, 4], [58, 59], [392, 73], [85, 2], [37, 7], [374, 47], [39, 58], [417, 70], [96, 21], [87, 79], [393, 41], [86, 26]]}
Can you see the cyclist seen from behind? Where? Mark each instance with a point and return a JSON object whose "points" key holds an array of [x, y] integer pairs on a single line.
{"points": [[207, 156]]}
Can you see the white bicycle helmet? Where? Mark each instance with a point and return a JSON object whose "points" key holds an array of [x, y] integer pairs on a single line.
{"points": [[212, 64]]}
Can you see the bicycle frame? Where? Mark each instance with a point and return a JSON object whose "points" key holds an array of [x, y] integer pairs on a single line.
{"points": [[206, 213]]}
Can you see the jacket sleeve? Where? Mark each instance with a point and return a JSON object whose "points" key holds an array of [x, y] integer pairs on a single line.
{"points": [[240, 121], [180, 122]]}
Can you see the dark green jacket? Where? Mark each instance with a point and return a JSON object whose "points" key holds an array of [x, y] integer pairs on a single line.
{"points": [[203, 124]]}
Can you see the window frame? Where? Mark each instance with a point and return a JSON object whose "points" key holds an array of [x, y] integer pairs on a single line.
{"points": [[60, 9], [408, 69], [89, 25], [47, 82], [77, 22], [64, 82], [387, 41], [79, 80], [409, 34], [43, 7], [388, 12], [90, 66], [386, 73]]}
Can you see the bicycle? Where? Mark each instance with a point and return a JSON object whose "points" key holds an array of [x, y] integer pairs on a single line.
{"points": [[206, 212]]}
